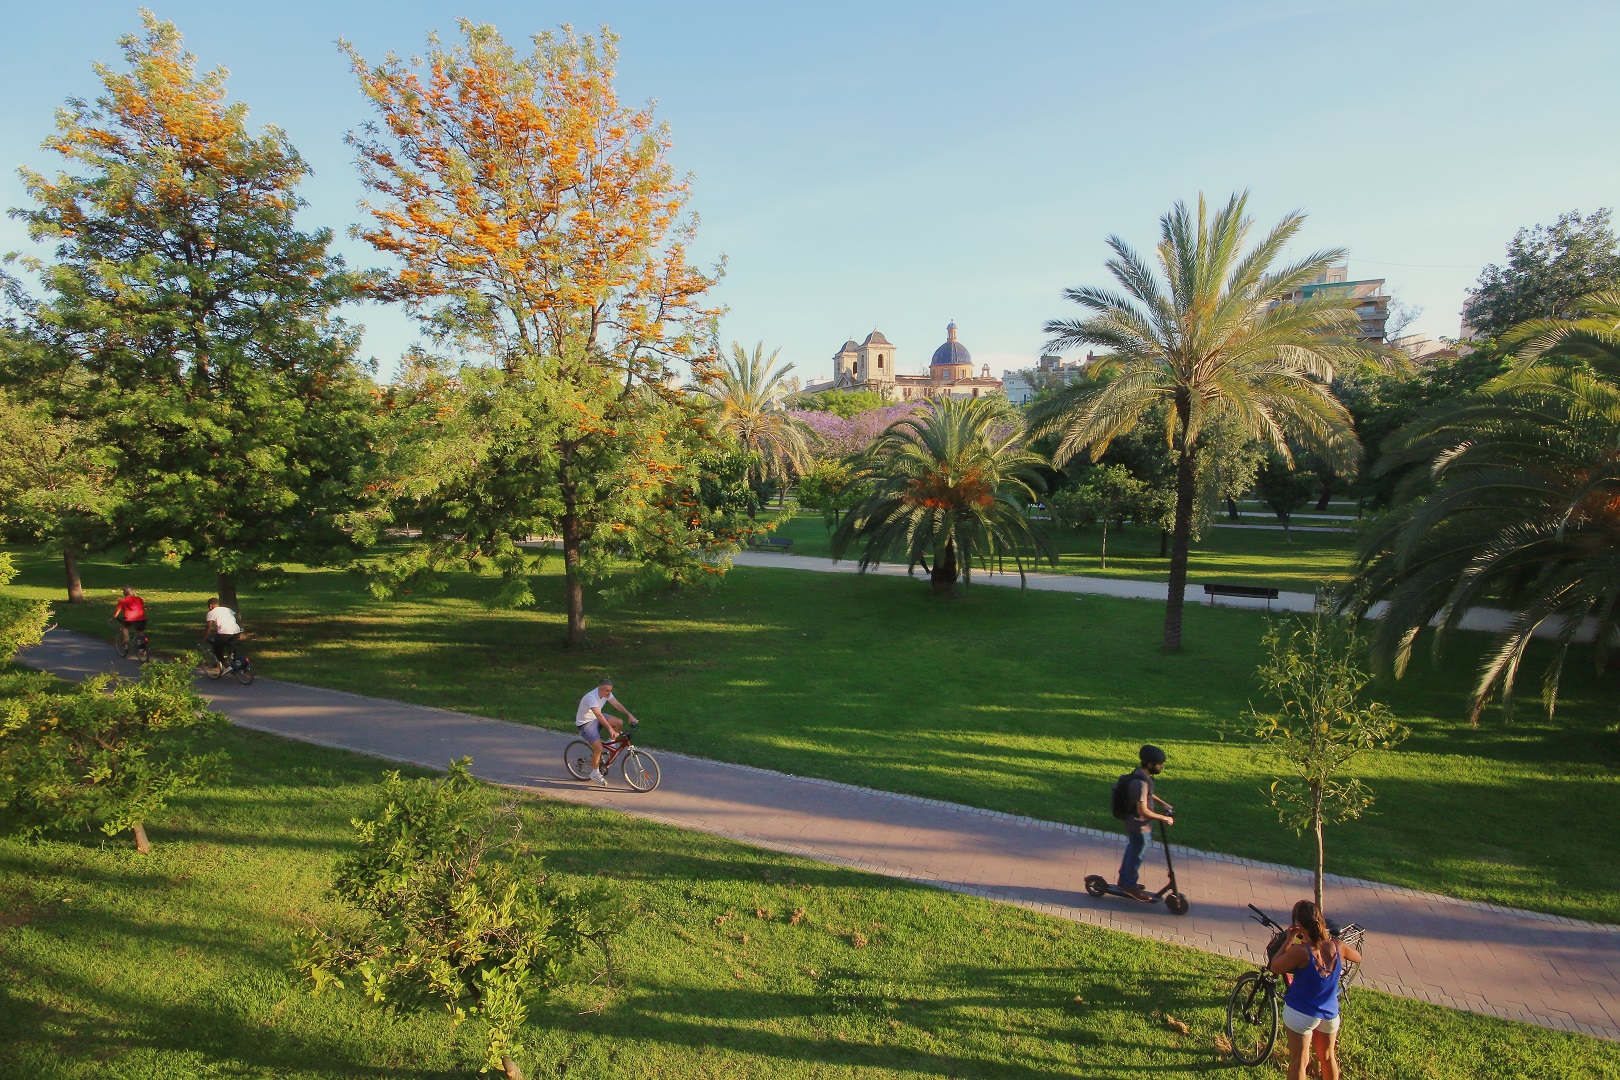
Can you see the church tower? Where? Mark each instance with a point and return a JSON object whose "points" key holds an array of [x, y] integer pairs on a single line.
{"points": [[844, 361], [875, 361]]}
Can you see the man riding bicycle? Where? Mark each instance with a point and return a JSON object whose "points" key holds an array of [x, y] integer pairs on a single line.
{"points": [[130, 614], [591, 717], [222, 631]]}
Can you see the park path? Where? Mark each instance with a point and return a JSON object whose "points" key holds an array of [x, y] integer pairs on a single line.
{"points": [[1543, 969], [1488, 619]]}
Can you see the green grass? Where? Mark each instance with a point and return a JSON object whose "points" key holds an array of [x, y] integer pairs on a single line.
{"points": [[1233, 556], [177, 965], [1031, 703]]}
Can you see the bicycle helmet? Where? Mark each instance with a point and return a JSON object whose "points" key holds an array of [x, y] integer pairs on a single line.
{"points": [[1151, 755]]}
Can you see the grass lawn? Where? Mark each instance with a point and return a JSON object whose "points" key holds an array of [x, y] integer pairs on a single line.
{"points": [[1234, 556], [1032, 703], [734, 962]]}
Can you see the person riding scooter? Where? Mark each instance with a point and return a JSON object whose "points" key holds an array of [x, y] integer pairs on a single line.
{"points": [[1139, 801]]}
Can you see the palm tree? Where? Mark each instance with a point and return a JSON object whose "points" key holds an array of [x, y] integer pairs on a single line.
{"points": [[1516, 502], [750, 395], [1223, 336], [952, 486]]}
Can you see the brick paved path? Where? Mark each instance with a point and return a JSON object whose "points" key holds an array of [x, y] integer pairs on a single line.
{"points": [[1539, 968]]}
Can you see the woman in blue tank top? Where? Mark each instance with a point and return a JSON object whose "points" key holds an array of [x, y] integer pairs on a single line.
{"points": [[1314, 959]]}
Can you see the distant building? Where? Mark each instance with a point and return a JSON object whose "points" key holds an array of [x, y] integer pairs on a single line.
{"points": [[1372, 303], [870, 365], [1048, 373], [1423, 349]]}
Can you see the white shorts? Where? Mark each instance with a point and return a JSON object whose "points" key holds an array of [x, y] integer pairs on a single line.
{"points": [[1303, 1023]]}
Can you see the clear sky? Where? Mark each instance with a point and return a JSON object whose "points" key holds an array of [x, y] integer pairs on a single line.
{"points": [[898, 165]]}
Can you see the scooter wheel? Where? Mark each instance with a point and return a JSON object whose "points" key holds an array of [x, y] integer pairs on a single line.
{"points": [[1096, 886], [1177, 903]]}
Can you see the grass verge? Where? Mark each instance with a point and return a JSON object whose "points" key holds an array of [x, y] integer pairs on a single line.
{"points": [[731, 962], [1029, 703]]}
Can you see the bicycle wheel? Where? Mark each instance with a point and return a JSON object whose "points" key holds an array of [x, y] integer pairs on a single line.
{"points": [[577, 759], [121, 643], [1252, 1018], [641, 770], [243, 671], [142, 652], [214, 670]]}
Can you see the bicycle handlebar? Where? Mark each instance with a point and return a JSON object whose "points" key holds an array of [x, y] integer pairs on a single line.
{"points": [[1263, 918]]}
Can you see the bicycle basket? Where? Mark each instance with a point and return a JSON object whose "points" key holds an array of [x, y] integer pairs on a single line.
{"points": [[1275, 945]]}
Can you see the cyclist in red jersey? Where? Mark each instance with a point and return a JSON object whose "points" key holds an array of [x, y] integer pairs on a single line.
{"points": [[129, 613]]}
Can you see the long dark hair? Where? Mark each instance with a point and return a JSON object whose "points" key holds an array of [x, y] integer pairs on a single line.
{"points": [[1308, 917]]}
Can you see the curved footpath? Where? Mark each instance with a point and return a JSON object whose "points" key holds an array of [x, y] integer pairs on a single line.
{"points": [[1543, 969]]}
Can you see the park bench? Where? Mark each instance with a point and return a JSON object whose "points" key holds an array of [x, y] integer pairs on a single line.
{"points": [[1254, 592], [778, 543]]}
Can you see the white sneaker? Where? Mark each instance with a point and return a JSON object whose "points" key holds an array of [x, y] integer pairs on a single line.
{"points": [[596, 774]]}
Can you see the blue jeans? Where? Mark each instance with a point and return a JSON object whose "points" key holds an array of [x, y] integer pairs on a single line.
{"points": [[1135, 843]]}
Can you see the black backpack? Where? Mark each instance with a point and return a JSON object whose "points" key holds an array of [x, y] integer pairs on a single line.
{"points": [[1120, 803]]}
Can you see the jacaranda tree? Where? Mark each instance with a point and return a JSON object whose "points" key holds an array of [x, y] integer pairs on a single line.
{"points": [[950, 487]]}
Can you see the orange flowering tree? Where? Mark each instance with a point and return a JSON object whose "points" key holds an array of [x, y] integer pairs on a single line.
{"points": [[188, 327], [540, 234], [950, 488]]}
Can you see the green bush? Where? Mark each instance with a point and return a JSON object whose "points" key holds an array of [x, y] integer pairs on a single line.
{"points": [[109, 753], [457, 911]]}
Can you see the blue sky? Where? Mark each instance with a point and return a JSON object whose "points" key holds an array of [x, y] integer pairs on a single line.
{"points": [[899, 165]]}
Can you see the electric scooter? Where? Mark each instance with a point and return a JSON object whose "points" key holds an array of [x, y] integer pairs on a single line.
{"points": [[1174, 900]]}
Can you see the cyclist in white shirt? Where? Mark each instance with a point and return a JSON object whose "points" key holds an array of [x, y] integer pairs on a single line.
{"points": [[591, 717], [223, 630]]}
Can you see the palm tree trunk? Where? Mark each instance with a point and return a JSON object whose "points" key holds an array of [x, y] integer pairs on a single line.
{"points": [[1327, 494], [1180, 543], [942, 578], [70, 563]]}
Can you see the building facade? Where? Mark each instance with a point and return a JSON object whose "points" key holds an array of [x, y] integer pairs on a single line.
{"points": [[1372, 302], [870, 365]]}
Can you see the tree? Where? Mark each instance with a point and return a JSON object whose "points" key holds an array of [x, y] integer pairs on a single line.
{"points": [[831, 487], [1549, 270], [749, 396], [1285, 488], [1222, 337], [188, 325], [54, 486], [845, 403], [1510, 496], [108, 753], [1107, 494], [538, 224], [951, 485], [456, 911], [1320, 725], [22, 622]]}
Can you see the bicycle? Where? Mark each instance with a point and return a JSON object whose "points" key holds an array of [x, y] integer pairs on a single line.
{"points": [[640, 768], [240, 667], [129, 641], [1254, 1009]]}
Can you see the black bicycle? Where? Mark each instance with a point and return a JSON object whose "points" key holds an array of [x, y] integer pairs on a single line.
{"points": [[1254, 1011], [131, 641], [238, 665]]}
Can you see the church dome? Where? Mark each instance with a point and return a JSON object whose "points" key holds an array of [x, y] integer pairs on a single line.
{"points": [[952, 352]]}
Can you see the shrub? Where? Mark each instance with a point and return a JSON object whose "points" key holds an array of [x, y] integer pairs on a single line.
{"points": [[457, 911]]}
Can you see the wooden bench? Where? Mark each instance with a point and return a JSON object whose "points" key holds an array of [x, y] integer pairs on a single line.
{"points": [[779, 543], [1253, 592]]}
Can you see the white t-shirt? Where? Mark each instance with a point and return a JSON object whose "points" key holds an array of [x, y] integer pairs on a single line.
{"points": [[223, 620], [593, 700]]}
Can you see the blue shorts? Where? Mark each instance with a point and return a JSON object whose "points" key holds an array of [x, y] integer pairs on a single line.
{"points": [[591, 730]]}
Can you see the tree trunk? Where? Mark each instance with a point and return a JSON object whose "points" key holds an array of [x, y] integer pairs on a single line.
{"points": [[573, 587], [510, 1068], [142, 845], [1327, 494], [1288, 537], [1181, 540], [1103, 562], [70, 562], [1316, 827], [1231, 508], [225, 585], [1164, 544], [942, 578]]}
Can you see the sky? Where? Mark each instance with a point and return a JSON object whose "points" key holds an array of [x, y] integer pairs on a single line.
{"points": [[899, 165]]}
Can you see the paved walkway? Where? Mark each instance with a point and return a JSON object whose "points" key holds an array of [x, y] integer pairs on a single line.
{"points": [[1490, 619], [1539, 968]]}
